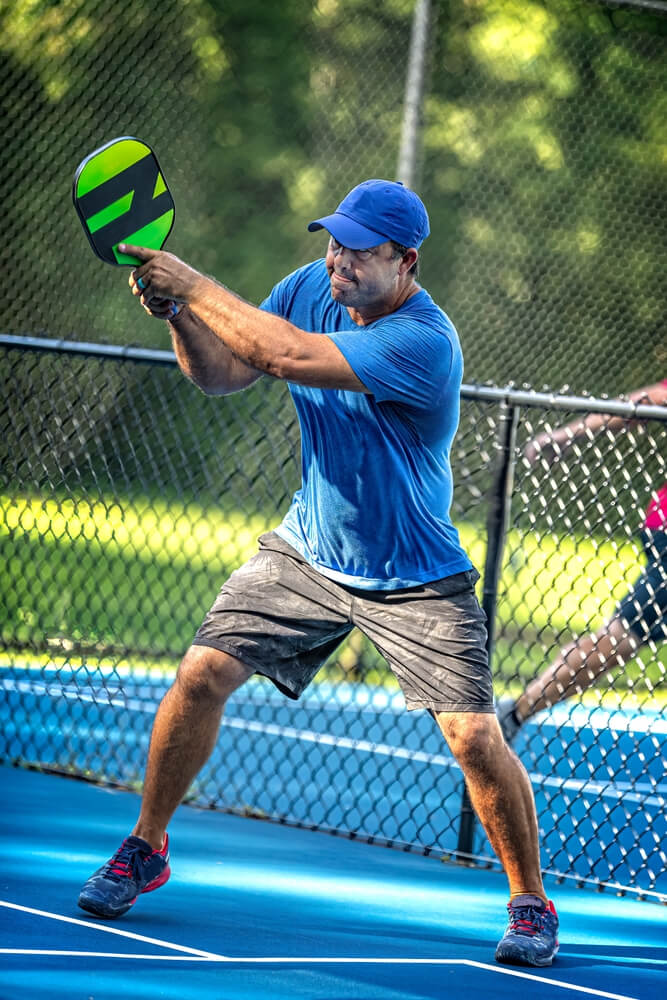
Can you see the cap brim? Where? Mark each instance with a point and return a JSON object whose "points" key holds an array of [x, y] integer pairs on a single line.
{"points": [[347, 232]]}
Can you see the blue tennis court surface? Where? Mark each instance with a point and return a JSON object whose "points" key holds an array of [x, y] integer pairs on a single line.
{"points": [[255, 909]]}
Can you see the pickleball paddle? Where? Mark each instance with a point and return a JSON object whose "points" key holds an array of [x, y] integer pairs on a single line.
{"points": [[121, 196]]}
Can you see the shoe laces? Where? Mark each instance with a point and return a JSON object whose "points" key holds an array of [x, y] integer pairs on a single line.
{"points": [[526, 920], [126, 862]]}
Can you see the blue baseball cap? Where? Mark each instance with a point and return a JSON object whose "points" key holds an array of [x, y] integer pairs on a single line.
{"points": [[376, 211]]}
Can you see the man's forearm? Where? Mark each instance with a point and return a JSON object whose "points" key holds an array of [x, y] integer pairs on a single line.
{"points": [[223, 343], [260, 339], [205, 359]]}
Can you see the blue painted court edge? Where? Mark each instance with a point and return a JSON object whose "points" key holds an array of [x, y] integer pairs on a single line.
{"points": [[255, 909]]}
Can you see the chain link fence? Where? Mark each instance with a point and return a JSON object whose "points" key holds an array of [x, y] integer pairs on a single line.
{"points": [[534, 131], [127, 499]]}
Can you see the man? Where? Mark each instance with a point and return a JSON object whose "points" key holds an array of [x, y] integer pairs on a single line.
{"points": [[641, 615], [374, 368]]}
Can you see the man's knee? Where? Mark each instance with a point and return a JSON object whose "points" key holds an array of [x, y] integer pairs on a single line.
{"points": [[472, 736], [210, 673]]}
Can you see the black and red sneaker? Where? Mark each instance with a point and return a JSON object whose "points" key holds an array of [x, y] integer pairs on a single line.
{"points": [[531, 937], [134, 868]]}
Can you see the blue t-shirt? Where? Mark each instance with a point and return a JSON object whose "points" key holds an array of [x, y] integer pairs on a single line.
{"points": [[373, 508]]}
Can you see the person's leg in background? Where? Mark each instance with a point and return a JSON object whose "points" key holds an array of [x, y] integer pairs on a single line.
{"points": [[641, 616], [576, 668]]}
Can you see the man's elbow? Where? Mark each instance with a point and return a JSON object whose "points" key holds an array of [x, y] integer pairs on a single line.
{"points": [[215, 384]]}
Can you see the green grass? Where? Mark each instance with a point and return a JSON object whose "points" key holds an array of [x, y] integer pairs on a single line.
{"points": [[134, 578], [140, 577]]}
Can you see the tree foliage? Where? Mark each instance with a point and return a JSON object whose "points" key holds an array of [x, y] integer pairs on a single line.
{"points": [[542, 166]]}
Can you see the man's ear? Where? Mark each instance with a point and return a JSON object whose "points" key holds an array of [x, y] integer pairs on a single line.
{"points": [[409, 259]]}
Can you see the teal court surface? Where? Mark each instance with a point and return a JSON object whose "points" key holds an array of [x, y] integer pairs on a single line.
{"points": [[256, 909]]}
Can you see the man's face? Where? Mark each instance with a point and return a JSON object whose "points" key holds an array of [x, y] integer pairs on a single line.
{"points": [[362, 279]]}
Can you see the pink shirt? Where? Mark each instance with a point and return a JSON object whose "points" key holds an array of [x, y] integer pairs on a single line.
{"points": [[656, 512]]}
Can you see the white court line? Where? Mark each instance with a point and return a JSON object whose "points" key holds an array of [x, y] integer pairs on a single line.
{"points": [[551, 982], [246, 960], [54, 953], [197, 952]]}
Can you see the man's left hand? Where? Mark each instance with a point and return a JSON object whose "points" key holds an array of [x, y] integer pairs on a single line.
{"points": [[165, 309], [161, 275]]}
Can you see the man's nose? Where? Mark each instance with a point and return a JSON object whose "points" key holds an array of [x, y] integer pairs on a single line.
{"points": [[343, 255]]}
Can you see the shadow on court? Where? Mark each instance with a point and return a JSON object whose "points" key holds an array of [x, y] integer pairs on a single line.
{"points": [[255, 909]]}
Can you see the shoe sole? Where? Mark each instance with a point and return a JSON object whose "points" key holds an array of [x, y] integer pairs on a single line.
{"points": [[98, 909], [539, 963]]}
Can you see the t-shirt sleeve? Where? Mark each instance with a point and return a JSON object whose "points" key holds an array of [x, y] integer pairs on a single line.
{"points": [[402, 361], [275, 300]]}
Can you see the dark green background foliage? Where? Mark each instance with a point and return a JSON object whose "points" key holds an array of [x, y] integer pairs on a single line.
{"points": [[541, 161]]}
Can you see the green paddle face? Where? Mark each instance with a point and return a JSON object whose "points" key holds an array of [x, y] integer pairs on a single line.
{"points": [[121, 196]]}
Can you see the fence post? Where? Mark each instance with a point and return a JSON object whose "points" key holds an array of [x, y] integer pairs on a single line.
{"points": [[500, 502], [406, 170]]}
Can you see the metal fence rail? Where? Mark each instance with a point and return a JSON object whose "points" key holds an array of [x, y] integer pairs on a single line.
{"points": [[126, 499]]}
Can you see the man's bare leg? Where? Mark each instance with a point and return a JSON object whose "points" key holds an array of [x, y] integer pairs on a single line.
{"points": [[500, 793], [184, 733]]}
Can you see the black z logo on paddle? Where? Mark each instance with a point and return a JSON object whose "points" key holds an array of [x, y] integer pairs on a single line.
{"points": [[134, 206]]}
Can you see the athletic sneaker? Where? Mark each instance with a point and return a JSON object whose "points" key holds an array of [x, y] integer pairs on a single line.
{"points": [[134, 868], [509, 723], [531, 937]]}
